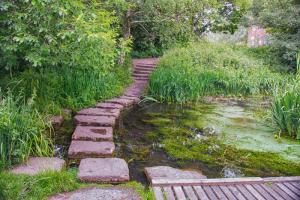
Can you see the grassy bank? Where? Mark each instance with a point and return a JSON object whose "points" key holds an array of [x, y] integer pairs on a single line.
{"points": [[187, 74], [17, 187]]}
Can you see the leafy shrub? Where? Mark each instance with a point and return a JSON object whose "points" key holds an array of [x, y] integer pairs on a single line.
{"points": [[186, 74], [21, 131]]}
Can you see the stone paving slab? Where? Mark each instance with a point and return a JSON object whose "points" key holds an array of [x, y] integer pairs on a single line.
{"points": [[88, 120], [56, 121], [36, 165], [100, 112], [166, 172], [93, 133], [103, 170], [135, 99], [121, 101], [110, 105], [90, 149], [99, 193]]}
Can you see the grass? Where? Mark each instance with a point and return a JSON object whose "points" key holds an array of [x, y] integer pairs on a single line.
{"points": [[22, 131], [189, 73], [38, 187]]}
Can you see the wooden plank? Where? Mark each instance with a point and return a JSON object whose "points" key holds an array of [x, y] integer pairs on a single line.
{"points": [[236, 192], [293, 188], [201, 193], [210, 193], [168, 192], [252, 190], [179, 193], [190, 193], [218, 192], [263, 192], [280, 192], [296, 184], [288, 191], [245, 192], [217, 181], [268, 188], [281, 179], [158, 193], [227, 192]]}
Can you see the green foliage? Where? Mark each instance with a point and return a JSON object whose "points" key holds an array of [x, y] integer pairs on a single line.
{"points": [[70, 33], [286, 112], [70, 88], [282, 20], [186, 74], [21, 131], [23, 187]]}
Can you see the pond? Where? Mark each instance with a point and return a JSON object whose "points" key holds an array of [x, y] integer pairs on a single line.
{"points": [[218, 139]]}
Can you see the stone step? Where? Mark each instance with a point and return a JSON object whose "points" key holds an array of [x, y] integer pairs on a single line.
{"points": [[89, 120], [100, 112], [36, 165], [150, 65], [90, 149], [122, 101], [142, 72], [143, 69], [103, 170], [93, 133], [140, 75], [141, 79], [99, 193], [110, 105]]}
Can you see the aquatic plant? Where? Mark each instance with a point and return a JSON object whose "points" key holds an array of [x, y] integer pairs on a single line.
{"points": [[204, 68], [22, 130]]}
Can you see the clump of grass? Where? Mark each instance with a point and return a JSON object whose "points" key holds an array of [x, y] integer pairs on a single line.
{"points": [[22, 130], [285, 109], [187, 74]]}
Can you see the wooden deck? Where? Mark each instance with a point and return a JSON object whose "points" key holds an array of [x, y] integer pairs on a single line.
{"points": [[279, 188]]}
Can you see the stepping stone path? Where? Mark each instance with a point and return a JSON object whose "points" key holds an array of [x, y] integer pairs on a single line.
{"points": [[35, 165], [92, 140], [97, 193]]}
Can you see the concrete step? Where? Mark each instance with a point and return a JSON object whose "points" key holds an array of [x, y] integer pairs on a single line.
{"points": [[89, 120], [90, 149], [103, 170], [100, 112], [93, 133]]}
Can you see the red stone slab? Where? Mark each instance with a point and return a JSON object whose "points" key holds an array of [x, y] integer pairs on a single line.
{"points": [[135, 99], [93, 133], [36, 165], [121, 101], [90, 149], [88, 120], [103, 170], [56, 121], [100, 112], [110, 105]]}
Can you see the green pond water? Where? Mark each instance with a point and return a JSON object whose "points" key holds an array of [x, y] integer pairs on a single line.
{"points": [[220, 140]]}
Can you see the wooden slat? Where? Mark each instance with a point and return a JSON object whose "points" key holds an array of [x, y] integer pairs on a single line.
{"points": [[280, 192], [296, 184], [227, 192], [218, 192], [263, 192], [210, 193], [179, 193], [245, 192], [270, 191], [190, 193], [158, 193], [288, 191], [253, 191], [236, 193], [168, 192], [201, 193], [282, 179], [293, 188]]}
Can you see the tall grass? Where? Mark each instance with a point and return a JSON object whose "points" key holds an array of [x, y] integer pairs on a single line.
{"points": [[70, 87], [285, 109], [187, 74], [21, 131]]}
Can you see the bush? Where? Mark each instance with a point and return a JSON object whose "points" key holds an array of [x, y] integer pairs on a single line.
{"points": [[186, 74], [21, 131]]}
